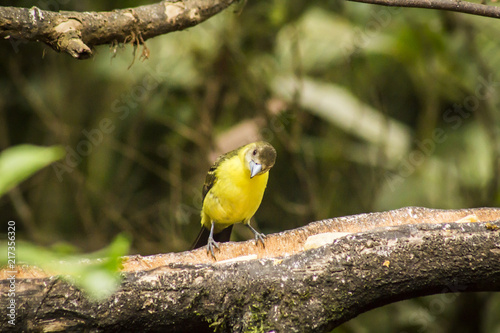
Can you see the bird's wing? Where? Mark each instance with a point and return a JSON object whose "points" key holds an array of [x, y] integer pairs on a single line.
{"points": [[211, 177]]}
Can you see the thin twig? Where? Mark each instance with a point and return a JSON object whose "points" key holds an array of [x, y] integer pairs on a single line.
{"points": [[451, 5]]}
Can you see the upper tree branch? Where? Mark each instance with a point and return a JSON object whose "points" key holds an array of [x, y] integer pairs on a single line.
{"points": [[451, 5], [288, 289], [77, 33]]}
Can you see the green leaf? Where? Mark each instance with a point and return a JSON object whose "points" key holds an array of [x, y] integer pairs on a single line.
{"points": [[99, 283], [19, 162], [97, 274]]}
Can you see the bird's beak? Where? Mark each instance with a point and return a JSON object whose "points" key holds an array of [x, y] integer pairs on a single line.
{"points": [[255, 168]]}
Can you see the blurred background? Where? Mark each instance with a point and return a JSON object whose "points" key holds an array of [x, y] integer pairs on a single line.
{"points": [[370, 108]]}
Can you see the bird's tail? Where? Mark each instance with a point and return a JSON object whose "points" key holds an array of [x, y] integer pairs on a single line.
{"points": [[220, 237]]}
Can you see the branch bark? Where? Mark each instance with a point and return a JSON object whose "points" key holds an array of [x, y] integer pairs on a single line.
{"points": [[451, 5], [76, 33], [287, 289]]}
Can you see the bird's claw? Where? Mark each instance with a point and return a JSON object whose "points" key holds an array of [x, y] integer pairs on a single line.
{"points": [[260, 237], [210, 246]]}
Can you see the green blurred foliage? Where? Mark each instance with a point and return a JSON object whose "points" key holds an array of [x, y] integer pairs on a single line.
{"points": [[97, 274], [139, 140], [20, 162]]}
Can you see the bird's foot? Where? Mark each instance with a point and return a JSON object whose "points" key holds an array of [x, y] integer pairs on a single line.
{"points": [[210, 246], [260, 237]]}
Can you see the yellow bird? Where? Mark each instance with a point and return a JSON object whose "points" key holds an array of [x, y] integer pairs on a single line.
{"points": [[233, 191]]}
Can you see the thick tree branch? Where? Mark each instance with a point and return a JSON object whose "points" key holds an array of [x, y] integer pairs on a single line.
{"points": [[77, 33], [288, 289], [451, 5]]}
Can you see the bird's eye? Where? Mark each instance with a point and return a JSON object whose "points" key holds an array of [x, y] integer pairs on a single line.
{"points": [[254, 152]]}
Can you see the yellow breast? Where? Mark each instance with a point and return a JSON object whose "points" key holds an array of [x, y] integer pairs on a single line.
{"points": [[235, 197]]}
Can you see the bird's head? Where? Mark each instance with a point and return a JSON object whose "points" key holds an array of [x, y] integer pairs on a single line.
{"points": [[259, 157]]}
